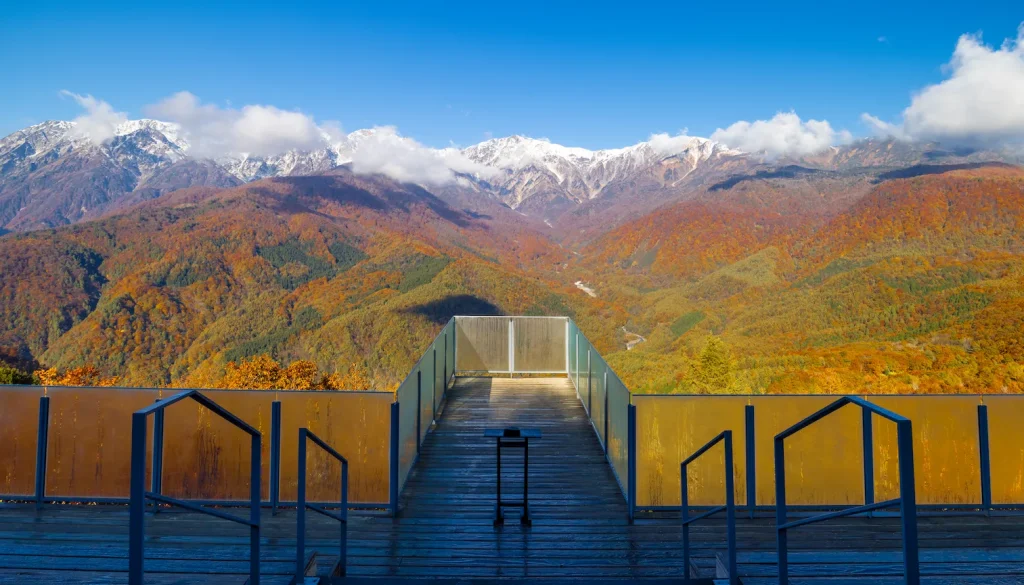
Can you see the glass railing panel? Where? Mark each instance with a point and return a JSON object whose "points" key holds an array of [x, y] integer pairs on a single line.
{"points": [[539, 344], [597, 396], [482, 344], [426, 392], [618, 429], [407, 412], [451, 347], [573, 353], [439, 368]]}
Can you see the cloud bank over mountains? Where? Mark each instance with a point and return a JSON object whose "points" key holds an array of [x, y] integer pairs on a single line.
{"points": [[782, 136], [981, 103], [99, 122], [259, 130]]}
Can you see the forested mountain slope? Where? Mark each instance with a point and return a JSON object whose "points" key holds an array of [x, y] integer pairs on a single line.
{"points": [[337, 269], [917, 286]]}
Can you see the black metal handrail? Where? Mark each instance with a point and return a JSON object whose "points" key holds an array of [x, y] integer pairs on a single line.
{"points": [[907, 500], [138, 494], [342, 516], [729, 507]]}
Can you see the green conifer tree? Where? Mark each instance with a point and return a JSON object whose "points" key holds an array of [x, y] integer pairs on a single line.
{"points": [[712, 374]]}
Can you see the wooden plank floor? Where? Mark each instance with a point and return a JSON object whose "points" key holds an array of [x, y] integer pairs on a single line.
{"points": [[444, 529]]}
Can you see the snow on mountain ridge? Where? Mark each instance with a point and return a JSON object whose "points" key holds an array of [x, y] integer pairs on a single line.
{"points": [[514, 169], [532, 165]]}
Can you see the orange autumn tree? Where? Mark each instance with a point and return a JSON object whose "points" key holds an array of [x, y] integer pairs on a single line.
{"points": [[264, 373], [81, 376]]}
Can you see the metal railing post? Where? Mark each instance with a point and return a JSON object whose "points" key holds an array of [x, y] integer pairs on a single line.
{"points": [[751, 459], [631, 474], [780, 511], [156, 481], [275, 455], [343, 551], [255, 494], [985, 455], [684, 513], [394, 459], [137, 500], [455, 346], [730, 510], [300, 512], [867, 434], [908, 502], [42, 440], [433, 386]]}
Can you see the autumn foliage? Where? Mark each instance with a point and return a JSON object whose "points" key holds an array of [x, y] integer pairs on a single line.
{"points": [[263, 373], [80, 376], [845, 285]]}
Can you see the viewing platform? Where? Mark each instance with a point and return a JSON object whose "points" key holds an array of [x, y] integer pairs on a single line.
{"points": [[604, 481]]}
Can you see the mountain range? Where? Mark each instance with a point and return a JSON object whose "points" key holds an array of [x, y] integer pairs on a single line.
{"points": [[878, 266], [52, 175]]}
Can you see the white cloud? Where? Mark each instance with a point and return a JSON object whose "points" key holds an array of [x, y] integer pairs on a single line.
{"points": [[666, 144], [882, 129], [783, 135], [257, 130], [99, 122], [981, 102], [403, 159]]}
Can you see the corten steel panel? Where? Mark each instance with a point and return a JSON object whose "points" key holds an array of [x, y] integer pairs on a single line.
{"points": [[356, 424], [618, 428], [946, 462], [824, 462], [426, 392], [1006, 448], [19, 419], [482, 344], [539, 344], [406, 397], [597, 390], [89, 451], [205, 456], [670, 429]]}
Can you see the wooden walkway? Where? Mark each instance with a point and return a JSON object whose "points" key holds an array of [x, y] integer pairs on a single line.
{"points": [[444, 528]]}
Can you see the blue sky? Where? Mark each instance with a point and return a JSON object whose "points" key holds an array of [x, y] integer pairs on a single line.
{"points": [[593, 75]]}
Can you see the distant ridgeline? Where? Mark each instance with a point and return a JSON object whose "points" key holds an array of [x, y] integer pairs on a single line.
{"points": [[868, 279]]}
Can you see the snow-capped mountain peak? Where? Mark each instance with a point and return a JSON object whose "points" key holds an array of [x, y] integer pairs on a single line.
{"points": [[532, 165], [515, 169]]}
